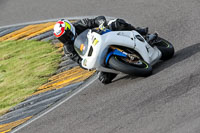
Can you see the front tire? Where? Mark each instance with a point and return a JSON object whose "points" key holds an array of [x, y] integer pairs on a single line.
{"points": [[118, 63]]}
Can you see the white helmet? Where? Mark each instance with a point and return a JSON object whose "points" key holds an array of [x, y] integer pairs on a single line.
{"points": [[64, 31]]}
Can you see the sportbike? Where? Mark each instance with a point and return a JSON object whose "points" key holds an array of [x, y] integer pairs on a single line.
{"points": [[121, 51]]}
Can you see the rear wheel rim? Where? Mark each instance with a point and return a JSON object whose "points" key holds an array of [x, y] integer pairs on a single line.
{"points": [[163, 43]]}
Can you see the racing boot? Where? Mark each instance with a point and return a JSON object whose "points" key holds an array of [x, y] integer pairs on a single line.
{"points": [[142, 31], [151, 38]]}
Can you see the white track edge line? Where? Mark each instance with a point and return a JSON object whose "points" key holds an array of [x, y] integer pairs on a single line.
{"points": [[52, 108]]}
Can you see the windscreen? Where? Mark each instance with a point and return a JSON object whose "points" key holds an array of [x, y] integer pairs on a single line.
{"points": [[81, 43]]}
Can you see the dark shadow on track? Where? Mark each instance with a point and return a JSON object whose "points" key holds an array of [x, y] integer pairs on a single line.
{"points": [[126, 77], [179, 56]]}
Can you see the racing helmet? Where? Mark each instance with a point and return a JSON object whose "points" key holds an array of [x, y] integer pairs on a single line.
{"points": [[64, 31]]}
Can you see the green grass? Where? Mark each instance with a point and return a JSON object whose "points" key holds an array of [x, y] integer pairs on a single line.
{"points": [[24, 66]]}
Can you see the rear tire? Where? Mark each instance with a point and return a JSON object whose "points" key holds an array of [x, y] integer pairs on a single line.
{"points": [[165, 47], [143, 69]]}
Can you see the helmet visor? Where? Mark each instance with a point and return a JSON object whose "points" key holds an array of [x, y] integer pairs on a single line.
{"points": [[68, 36]]}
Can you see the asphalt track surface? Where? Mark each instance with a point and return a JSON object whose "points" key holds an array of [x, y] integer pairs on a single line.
{"points": [[166, 102]]}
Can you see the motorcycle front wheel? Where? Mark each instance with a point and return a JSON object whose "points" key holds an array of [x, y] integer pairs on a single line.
{"points": [[137, 68]]}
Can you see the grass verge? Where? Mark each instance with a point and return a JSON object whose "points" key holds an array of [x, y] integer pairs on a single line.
{"points": [[24, 66]]}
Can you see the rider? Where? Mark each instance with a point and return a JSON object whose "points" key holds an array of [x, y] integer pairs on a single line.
{"points": [[66, 32]]}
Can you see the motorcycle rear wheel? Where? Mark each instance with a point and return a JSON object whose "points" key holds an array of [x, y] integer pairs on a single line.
{"points": [[119, 63], [165, 47]]}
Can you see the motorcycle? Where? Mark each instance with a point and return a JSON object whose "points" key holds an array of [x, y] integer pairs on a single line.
{"points": [[120, 51]]}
